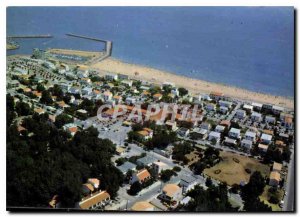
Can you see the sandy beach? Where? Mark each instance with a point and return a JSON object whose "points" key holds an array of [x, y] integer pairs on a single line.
{"points": [[193, 85]]}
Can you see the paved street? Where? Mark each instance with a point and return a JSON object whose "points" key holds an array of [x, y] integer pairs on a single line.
{"points": [[289, 199]]}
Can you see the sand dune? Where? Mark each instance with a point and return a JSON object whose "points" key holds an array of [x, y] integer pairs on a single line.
{"points": [[195, 86]]}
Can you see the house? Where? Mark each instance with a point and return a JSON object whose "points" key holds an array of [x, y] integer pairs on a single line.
{"points": [[39, 111], [120, 150], [274, 178], [241, 114], [277, 109], [183, 132], [277, 167], [107, 95], [269, 132], [270, 120], [247, 144], [234, 133], [265, 138], [75, 90], [87, 91], [125, 167], [280, 144], [140, 176], [94, 182], [171, 125], [85, 81], [171, 193], [145, 133], [62, 104], [250, 136], [220, 129], [207, 97], [210, 107], [229, 141], [87, 188], [187, 183], [214, 135], [111, 77], [145, 161], [288, 122], [117, 99], [123, 77], [225, 123], [248, 108], [216, 95], [97, 200], [223, 109], [158, 166], [263, 148], [255, 116], [175, 92], [206, 125], [127, 83], [199, 133], [142, 206], [225, 103], [130, 100], [71, 128], [257, 106], [157, 96]]}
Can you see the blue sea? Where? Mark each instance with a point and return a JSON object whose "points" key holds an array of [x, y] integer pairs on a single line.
{"points": [[247, 47]]}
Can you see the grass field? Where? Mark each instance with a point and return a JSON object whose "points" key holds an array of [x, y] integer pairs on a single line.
{"points": [[233, 168], [266, 196], [74, 52]]}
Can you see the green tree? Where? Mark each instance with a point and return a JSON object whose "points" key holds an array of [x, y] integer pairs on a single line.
{"points": [[135, 188]]}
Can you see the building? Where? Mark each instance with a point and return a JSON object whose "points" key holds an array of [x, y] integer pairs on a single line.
{"points": [[145, 161], [274, 178], [246, 144], [216, 95], [199, 133], [97, 200], [288, 122], [140, 176], [127, 83], [183, 132], [270, 120], [265, 138], [255, 116], [225, 103], [225, 123], [206, 126], [87, 188], [250, 136], [223, 109], [130, 100], [158, 166], [142, 206], [171, 125], [187, 183], [94, 182], [234, 133], [263, 148], [277, 109], [257, 106], [71, 128], [171, 193], [125, 167], [220, 129], [248, 108], [230, 142], [107, 95], [241, 114], [277, 167], [145, 133], [157, 96], [211, 107], [214, 135], [111, 77]]}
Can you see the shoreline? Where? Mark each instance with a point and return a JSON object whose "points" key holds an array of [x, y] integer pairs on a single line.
{"points": [[195, 86]]}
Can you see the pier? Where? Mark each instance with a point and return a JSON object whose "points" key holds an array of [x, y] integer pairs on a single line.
{"points": [[108, 44], [30, 36]]}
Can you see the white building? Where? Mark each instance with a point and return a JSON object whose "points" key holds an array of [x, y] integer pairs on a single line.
{"points": [[265, 138], [111, 77], [225, 103], [220, 129], [223, 109], [214, 135], [255, 116], [247, 144], [270, 120], [250, 136], [241, 114], [211, 107], [257, 106], [234, 133]]}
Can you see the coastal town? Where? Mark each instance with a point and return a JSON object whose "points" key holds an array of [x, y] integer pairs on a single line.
{"points": [[237, 155]]}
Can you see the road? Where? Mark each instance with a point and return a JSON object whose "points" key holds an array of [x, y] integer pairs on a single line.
{"points": [[289, 199]]}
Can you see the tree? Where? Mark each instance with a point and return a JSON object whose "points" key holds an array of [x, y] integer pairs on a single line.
{"points": [[182, 91], [63, 119], [166, 175], [40, 87], [135, 188], [46, 98], [23, 109], [208, 182]]}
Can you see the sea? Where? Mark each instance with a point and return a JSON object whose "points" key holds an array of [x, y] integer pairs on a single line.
{"points": [[246, 47]]}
